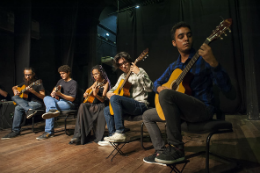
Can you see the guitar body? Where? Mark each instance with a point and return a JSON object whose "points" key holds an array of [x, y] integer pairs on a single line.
{"points": [[56, 89], [123, 92], [90, 98], [23, 95], [183, 87]]}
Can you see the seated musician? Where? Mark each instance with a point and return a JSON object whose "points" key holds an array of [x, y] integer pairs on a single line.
{"points": [[35, 95], [134, 105], [91, 111], [59, 100], [177, 106]]}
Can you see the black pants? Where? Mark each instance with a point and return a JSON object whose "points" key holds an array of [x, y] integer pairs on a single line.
{"points": [[177, 107]]}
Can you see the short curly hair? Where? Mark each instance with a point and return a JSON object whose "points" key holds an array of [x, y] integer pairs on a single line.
{"points": [[64, 68]]}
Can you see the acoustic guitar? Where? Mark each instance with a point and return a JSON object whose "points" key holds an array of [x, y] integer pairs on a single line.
{"points": [[23, 92], [56, 89], [178, 77], [90, 98], [124, 85]]}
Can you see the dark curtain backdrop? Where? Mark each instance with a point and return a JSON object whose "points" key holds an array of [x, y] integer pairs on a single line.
{"points": [[149, 27]]}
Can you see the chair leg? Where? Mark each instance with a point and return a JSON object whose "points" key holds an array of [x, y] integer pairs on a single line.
{"points": [[65, 124], [33, 124], [207, 151]]}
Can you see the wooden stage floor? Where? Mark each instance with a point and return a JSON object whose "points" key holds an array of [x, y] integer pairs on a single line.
{"points": [[26, 154]]}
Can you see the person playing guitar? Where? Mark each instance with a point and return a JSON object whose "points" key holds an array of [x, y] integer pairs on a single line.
{"points": [[34, 95], [65, 100], [134, 105], [91, 111], [177, 106]]}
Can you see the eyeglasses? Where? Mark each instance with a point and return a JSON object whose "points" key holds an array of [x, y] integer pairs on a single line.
{"points": [[28, 75], [123, 63], [96, 74]]}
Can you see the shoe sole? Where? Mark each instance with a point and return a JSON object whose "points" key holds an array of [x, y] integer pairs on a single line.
{"points": [[157, 163], [50, 115], [104, 144], [31, 115], [169, 161], [114, 141]]}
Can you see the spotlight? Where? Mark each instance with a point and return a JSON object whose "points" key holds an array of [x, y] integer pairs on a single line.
{"points": [[137, 6], [107, 34]]}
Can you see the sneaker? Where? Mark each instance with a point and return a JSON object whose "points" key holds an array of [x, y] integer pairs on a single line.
{"points": [[30, 113], [150, 159], [11, 135], [52, 113], [116, 137], [104, 143], [45, 135], [170, 155]]}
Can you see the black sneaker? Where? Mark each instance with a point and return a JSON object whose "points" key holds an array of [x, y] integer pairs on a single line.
{"points": [[52, 113], [150, 159], [30, 113], [45, 135], [11, 135], [170, 155]]}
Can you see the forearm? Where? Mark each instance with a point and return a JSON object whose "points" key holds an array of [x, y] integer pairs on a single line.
{"points": [[145, 81], [100, 98], [66, 97], [39, 95], [3, 93]]}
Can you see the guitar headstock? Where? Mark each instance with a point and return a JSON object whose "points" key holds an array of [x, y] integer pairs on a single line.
{"points": [[220, 29], [38, 82], [143, 55]]}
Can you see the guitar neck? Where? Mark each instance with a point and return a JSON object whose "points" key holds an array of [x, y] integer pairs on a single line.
{"points": [[126, 78], [189, 65]]}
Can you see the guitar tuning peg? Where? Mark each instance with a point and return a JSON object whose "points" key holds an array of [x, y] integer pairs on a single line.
{"points": [[229, 30], [221, 38], [225, 34]]}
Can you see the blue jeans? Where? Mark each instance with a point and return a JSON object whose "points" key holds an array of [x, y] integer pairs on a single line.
{"points": [[22, 106], [52, 103], [121, 105]]}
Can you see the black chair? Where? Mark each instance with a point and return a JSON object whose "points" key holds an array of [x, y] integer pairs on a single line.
{"points": [[40, 111], [67, 114], [214, 126]]}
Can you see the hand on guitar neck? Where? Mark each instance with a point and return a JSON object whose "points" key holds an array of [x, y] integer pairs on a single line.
{"points": [[206, 53], [56, 92]]}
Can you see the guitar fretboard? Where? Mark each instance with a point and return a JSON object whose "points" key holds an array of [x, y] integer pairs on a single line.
{"points": [[189, 65]]}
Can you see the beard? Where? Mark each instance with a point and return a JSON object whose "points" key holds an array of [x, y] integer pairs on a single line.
{"points": [[29, 82]]}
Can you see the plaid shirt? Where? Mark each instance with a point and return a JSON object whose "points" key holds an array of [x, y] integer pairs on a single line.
{"points": [[203, 78], [141, 84]]}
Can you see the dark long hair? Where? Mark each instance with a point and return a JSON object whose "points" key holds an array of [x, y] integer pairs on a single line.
{"points": [[102, 73]]}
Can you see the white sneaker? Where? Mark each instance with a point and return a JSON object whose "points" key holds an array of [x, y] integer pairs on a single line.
{"points": [[104, 143], [116, 137]]}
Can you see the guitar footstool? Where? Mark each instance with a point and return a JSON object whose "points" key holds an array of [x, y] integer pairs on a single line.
{"points": [[117, 147], [173, 166]]}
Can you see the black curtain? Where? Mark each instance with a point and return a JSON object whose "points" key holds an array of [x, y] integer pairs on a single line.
{"points": [[149, 26]]}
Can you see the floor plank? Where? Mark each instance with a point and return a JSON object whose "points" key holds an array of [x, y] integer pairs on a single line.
{"points": [[26, 154]]}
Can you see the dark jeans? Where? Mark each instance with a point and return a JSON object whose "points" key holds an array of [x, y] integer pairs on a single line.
{"points": [[121, 105], [177, 107]]}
